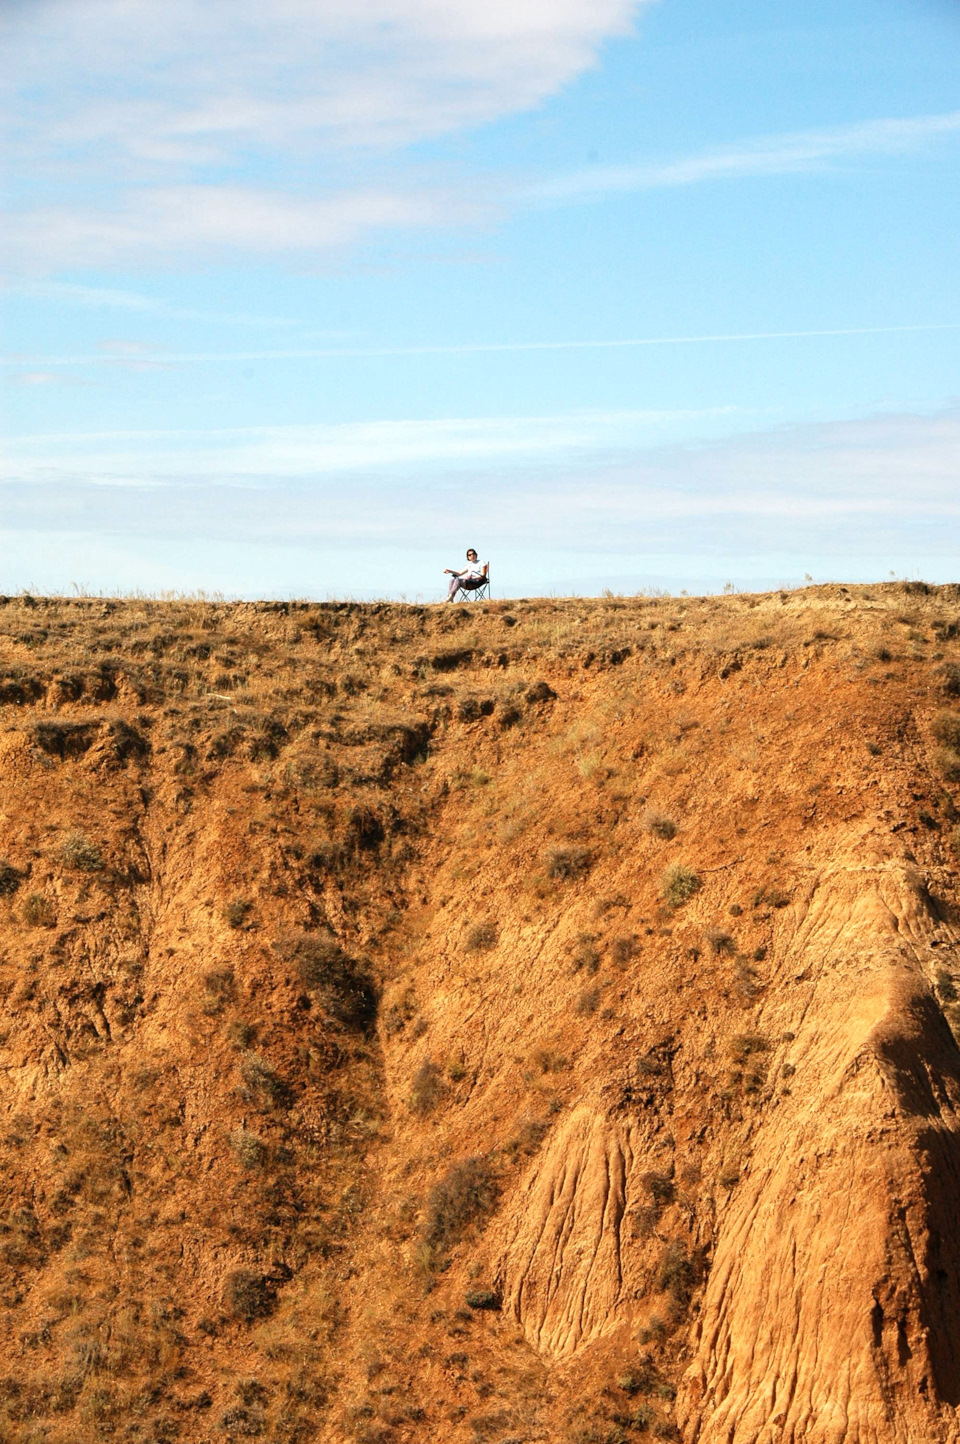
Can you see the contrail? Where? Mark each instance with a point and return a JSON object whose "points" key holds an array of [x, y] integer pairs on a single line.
{"points": [[155, 359]]}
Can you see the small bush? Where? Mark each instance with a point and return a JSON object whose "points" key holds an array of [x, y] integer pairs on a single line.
{"points": [[38, 911], [624, 949], [950, 679], [482, 937], [248, 1296], [588, 1002], [10, 878], [427, 1089], [345, 988], [585, 955], [946, 729], [770, 896], [658, 824], [510, 715], [677, 1275], [720, 942], [250, 1149], [467, 1194], [261, 1077], [242, 1035], [747, 1045], [235, 913], [678, 885], [482, 1299], [539, 692], [568, 862], [660, 1188], [80, 854], [947, 763]]}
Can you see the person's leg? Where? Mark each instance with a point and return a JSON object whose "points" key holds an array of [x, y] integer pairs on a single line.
{"points": [[454, 585]]}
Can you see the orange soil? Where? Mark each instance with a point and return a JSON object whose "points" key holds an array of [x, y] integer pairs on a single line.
{"points": [[505, 1023]]}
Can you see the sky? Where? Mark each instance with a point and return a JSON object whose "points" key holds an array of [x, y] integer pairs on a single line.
{"points": [[302, 300]]}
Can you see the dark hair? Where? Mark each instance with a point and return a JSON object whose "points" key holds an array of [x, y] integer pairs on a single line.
{"points": [[471, 549]]}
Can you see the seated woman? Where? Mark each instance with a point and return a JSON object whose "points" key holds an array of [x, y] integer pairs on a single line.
{"points": [[474, 575]]}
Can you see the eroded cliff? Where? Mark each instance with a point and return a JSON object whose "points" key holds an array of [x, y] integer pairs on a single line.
{"points": [[526, 1021]]}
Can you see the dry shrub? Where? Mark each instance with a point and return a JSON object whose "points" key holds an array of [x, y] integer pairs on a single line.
{"points": [[482, 937], [248, 1296], [946, 729], [947, 763], [235, 913], [39, 911], [678, 885], [950, 679], [624, 949], [80, 854], [568, 862], [249, 1148], [658, 824], [427, 1090], [342, 984], [720, 942], [467, 1194], [262, 1078], [10, 878], [588, 1002], [677, 1275]]}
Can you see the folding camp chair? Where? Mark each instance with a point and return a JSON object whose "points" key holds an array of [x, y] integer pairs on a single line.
{"points": [[474, 591]]}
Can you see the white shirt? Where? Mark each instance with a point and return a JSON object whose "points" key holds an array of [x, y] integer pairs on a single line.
{"points": [[473, 570]]}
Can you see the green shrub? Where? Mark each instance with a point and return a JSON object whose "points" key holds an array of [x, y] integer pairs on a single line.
{"points": [[678, 885], [80, 854], [482, 1299]]}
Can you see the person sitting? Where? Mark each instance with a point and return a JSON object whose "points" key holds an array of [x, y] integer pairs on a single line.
{"points": [[473, 576]]}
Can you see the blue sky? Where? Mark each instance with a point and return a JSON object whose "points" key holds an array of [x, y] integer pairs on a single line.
{"points": [[304, 299]]}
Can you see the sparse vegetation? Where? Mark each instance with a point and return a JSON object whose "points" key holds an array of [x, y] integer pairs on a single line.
{"points": [[39, 911], [569, 862], [235, 913], [659, 824], [464, 1198], [482, 937], [10, 878], [678, 885], [248, 1296], [428, 1089], [80, 854]]}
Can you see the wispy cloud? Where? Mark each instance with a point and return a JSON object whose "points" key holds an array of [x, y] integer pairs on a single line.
{"points": [[767, 156], [606, 483], [138, 130], [468, 348], [108, 298]]}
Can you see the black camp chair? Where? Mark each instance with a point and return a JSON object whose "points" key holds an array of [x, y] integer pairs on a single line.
{"points": [[474, 591]]}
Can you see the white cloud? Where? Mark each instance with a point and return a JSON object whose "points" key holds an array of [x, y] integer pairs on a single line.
{"points": [[884, 485], [769, 155], [138, 129]]}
